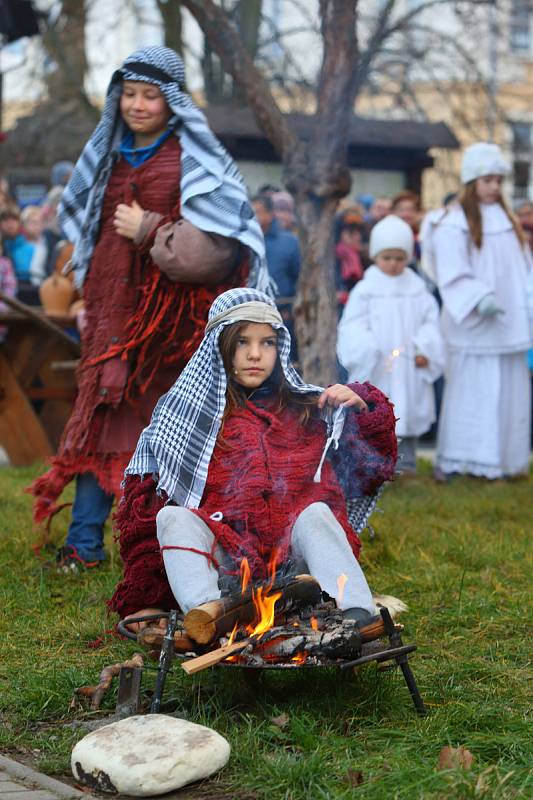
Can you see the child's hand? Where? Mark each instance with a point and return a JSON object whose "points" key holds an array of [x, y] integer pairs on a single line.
{"points": [[127, 220], [340, 395], [421, 361]]}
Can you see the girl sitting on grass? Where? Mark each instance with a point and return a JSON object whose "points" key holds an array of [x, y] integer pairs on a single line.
{"points": [[233, 465]]}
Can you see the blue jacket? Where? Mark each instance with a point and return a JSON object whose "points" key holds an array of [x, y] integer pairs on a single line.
{"points": [[20, 251], [283, 259]]}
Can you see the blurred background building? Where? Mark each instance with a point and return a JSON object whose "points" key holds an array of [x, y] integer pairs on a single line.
{"points": [[433, 76]]}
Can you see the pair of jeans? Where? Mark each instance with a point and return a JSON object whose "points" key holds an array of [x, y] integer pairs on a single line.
{"points": [[89, 512]]}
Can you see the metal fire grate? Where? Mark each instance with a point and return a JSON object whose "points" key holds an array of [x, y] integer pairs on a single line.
{"points": [[379, 650]]}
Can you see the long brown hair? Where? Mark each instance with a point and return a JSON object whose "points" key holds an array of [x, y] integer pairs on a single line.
{"points": [[468, 199], [235, 397]]}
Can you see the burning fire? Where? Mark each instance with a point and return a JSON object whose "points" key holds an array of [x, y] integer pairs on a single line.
{"points": [[314, 623], [264, 602], [264, 605], [299, 658], [341, 583]]}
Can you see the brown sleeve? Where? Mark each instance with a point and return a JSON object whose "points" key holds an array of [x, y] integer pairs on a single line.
{"points": [[186, 254]]}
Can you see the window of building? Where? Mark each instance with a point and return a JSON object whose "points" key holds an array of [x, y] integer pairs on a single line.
{"points": [[520, 26], [522, 156]]}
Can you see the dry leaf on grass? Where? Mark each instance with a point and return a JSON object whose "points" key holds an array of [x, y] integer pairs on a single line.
{"points": [[280, 722], [354, 777], [455, 757]]}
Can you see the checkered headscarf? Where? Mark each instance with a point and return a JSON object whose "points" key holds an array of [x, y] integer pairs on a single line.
{"points": [[213, 196]]}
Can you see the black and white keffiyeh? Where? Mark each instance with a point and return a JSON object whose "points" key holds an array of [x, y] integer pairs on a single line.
{"points": [[178, 444], [213, 196]]}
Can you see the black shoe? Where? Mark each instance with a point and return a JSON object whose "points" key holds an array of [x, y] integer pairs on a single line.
{"points": [[359, 615], [69, 561]]}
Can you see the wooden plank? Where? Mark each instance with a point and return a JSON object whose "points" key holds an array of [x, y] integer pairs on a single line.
{"points": [[40, 319], [21, 432]]}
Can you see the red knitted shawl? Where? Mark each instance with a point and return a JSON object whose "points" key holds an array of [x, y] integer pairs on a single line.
{"points": [[260, 479]]}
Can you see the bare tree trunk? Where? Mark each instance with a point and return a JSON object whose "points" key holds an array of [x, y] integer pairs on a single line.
{"points": [[170, 11], [315, 172], [65, 43]]}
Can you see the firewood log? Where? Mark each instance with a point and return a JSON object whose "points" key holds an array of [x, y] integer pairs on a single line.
{"points": [[152, 637], [213, 657], [212, 620]]}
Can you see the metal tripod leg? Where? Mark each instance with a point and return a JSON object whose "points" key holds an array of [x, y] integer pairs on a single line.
{"points": [[403, 661], [165, 661]]}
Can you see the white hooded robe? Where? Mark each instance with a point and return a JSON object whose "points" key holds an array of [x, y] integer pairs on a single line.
{"points": [[388, 320], [484, 427]]}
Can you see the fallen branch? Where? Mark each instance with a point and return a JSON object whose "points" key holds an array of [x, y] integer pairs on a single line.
{"points": [[96, 693]]}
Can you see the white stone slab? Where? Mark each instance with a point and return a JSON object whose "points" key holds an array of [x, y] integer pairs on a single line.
{"points": [[148, 755]]}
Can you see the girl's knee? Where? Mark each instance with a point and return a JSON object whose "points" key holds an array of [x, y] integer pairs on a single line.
{"points": [[170, 520], [317, 512]]}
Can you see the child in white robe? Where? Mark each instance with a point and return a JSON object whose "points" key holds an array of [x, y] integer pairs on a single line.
{"points": [[481, 265], [389, 334]]}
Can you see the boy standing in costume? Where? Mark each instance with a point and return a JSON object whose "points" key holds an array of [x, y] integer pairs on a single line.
{"points": [[161, 225]]}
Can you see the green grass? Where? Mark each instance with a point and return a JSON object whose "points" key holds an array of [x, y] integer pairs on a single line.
{"points": [[459, 555]]}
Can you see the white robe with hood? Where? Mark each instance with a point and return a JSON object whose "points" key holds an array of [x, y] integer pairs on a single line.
{"points": [[388, 320], [484, 427]]}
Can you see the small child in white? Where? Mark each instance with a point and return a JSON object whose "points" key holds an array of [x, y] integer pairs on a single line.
{"points": [[389, 334]]}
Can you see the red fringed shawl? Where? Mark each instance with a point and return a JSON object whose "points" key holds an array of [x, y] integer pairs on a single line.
{"points": [[141, 331], [260, 479]]}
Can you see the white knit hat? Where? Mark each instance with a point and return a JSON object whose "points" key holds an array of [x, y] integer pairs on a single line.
{"points": [[483, 159], [392, 233]]}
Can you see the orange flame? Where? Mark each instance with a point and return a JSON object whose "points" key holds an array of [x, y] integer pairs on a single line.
{"points": [[264, 605], [341, 583], [314, 623], [299, 658], [233, 634], [245, 574]]}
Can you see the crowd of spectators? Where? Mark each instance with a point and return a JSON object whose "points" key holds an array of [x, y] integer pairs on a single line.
{"points": [[30, 238]]}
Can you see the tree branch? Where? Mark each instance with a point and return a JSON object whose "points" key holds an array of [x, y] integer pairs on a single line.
{"points": [[226, 43]]}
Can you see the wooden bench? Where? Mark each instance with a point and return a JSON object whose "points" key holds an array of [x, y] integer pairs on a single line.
{"points": [[37, 381]]}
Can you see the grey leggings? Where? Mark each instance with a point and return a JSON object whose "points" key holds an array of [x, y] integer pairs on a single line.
{"points": [[317, 538]]}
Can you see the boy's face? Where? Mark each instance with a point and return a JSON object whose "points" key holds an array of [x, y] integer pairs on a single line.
{"points": [[255, 355], [143, 108], [10, 226], [391, 262]]}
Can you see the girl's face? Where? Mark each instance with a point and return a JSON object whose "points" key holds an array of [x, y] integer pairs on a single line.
{"points": [[489, 188], [143, 108], [255, 355], [391, 262], [407, 211]]}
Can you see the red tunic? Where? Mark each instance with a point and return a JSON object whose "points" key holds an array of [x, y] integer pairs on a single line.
{"points": [[260, 478], [141, 331]]}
